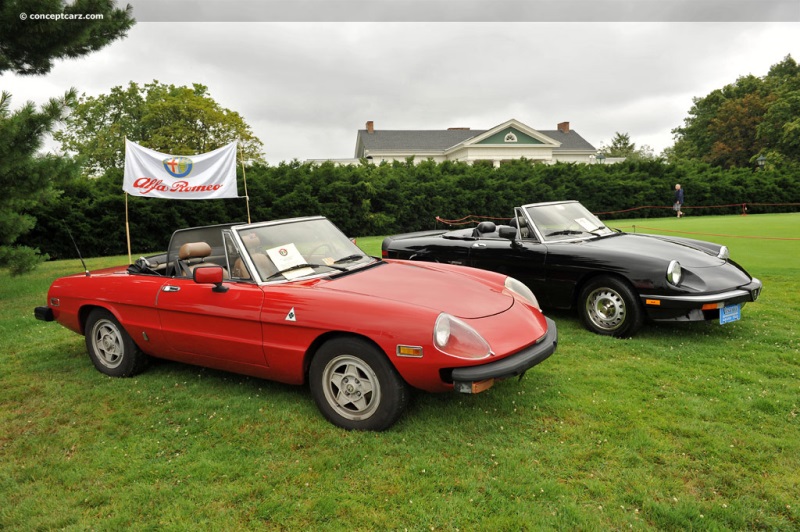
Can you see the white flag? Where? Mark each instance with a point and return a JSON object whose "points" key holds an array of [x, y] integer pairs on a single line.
{"points": [[152, 174]]}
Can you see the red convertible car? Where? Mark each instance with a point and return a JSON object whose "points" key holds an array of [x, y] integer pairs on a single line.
{"points": [[296, 301]]}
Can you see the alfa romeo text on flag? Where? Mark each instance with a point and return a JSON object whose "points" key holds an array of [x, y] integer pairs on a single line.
{"points": [[152, 174]]}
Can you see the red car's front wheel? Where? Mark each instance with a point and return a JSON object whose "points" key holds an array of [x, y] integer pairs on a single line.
{"points": [[355, 387]]}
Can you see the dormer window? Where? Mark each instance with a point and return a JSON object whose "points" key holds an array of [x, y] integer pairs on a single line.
{"points": [[510, 138]]}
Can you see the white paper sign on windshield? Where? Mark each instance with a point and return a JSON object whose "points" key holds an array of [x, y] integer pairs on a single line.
{"points": [[586, 224], [287, 256]]}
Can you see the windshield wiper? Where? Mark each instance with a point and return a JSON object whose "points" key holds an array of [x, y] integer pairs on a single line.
{"points": [[349, 258], [305, 265], [567, 232]]}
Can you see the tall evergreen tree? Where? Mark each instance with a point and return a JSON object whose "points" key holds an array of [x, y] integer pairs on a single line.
{"points": [[34, 34], [25, 177], [30, 45]]}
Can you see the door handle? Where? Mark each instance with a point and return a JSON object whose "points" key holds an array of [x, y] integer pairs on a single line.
{"points": [[170, 288], [479, 245]]}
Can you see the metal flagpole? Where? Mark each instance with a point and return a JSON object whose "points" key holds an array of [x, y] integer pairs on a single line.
{"points": [[127, 225], [127, 229], [244, 176]]}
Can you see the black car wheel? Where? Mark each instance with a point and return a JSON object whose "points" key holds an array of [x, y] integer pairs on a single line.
{"points": [[355, 387], [111, 349], [609, 306]]}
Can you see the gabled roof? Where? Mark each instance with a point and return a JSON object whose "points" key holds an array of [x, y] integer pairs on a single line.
{"points": [[569, 140], [426, 140], [414, 139], [520, 131]]}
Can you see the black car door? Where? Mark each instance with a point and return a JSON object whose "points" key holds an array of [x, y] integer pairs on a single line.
{"points": [[447, 250], [523, 259]]}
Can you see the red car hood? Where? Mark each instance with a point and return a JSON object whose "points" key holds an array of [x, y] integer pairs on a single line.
{"points": [[456, 293]]}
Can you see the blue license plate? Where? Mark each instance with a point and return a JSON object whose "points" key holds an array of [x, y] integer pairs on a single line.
{"points": [[730, 313]]}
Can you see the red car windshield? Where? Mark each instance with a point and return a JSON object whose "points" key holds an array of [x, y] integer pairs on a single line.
{"points": [[298, 248]]}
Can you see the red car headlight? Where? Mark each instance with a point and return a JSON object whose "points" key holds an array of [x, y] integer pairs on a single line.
{"points": [[521, 290], [455, 338]]}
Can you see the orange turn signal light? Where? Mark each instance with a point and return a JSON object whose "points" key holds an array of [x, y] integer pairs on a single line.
{"points": [[409, 351]]}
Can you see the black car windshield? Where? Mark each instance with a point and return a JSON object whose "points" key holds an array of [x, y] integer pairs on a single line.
{"points": [[565, 221], [299, 248]]}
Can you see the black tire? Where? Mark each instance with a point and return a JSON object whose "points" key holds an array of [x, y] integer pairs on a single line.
{"points": [[355, 387], [110, 347], [609, 306]]}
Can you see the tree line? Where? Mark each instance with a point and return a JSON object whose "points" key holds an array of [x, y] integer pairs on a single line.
{"points": [[371, 199], [81, 188]]}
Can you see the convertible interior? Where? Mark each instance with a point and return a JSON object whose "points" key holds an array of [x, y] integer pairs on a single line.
{"points": [[191, 248], [489, 230]]}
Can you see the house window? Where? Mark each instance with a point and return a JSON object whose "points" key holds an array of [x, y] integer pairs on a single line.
{"points": [[511, 138]]}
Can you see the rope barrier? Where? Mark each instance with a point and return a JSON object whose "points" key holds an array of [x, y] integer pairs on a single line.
{"points": [[661, 230], [470, 219], [685, 207], [473, 218]]}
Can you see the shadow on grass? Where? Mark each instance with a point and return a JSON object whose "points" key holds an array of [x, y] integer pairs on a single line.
{"points": [[568, 322]]}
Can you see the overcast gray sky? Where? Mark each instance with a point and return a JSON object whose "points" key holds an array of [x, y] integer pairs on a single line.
{"points": [[306, 87]]}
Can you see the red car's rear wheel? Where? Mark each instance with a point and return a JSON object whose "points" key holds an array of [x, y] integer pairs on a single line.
{"points": [[111, 349]]}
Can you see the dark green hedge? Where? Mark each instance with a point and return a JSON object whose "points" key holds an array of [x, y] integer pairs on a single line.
{"points": [[400, 197]]}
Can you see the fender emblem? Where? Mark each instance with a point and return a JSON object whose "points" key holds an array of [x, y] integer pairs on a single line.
{"points": [[291, 316]]}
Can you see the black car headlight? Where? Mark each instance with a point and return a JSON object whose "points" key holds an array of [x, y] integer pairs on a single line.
{"points": [[521, 290], [674, 273]]}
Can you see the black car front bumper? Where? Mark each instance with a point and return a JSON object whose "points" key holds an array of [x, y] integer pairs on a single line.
{"points": [[698, 307], [464, 379]]}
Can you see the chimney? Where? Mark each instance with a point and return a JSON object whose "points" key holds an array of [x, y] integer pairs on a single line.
{"points": [[370, 127], [563, 127]]}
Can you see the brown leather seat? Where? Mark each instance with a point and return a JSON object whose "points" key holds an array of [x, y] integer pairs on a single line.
{"points": [[191, 255], [263, 265], [250, 241], [239, 270]]}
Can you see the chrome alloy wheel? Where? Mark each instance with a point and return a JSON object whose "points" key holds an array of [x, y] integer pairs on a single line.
{"points": [[606, 309], [107, 343], [351, 387]]}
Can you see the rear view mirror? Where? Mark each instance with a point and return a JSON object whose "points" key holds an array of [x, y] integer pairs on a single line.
{"points": [[210, 275], [509, 233]]}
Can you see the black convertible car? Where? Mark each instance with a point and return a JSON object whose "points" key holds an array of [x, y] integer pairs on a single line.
{"points": [[570, 259]]}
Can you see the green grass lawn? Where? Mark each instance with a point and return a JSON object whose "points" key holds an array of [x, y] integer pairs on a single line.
{"points": [[685, 426]]}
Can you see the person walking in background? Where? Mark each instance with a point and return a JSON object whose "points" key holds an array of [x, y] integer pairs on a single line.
{"points": [[678, 200]]}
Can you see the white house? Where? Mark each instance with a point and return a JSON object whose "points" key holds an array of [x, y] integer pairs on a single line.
{"points": [[504, 142]]}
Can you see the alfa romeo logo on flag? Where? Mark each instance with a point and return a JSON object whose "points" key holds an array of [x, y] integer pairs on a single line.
{"points": [[178, 166]]}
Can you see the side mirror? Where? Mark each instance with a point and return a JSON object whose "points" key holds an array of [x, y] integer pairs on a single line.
{"points": [[509, 233], [210, 275]]}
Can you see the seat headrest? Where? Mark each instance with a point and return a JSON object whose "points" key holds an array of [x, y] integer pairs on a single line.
{"points": [[251, 240], [194, 250], [484, 227]]}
